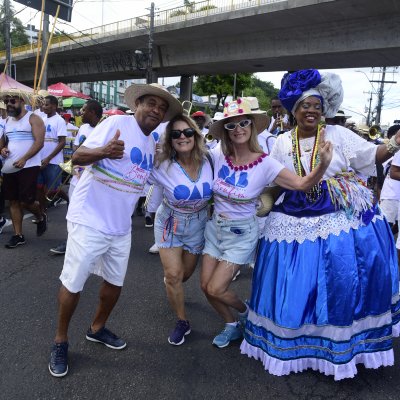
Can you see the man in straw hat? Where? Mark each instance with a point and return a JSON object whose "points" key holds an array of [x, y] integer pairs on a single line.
{"points": [[339, 119], [24, 132], [121, 150]]}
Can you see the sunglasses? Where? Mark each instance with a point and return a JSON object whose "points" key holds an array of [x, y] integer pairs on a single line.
{"points": [[188, 132], [231, 126], [11, 101]]}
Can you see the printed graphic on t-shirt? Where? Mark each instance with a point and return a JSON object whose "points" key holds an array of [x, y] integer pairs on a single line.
{"points": [[134, 177], [156, 136], [232, 185], [187, 199]]}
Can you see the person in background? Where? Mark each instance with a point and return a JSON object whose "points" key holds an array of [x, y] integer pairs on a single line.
{"points": [[339, 119], [325, 291], [279, 121], [91, 117], [3, 118], [202, 121], [390, 194], [20, 147], [49, 180]]}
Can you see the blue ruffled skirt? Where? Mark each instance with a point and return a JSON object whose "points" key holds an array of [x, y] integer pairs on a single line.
{"points": [[325, 304]]}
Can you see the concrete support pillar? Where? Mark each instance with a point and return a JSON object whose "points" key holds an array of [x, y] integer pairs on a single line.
{"points": [[154, 77], [186, 87]]}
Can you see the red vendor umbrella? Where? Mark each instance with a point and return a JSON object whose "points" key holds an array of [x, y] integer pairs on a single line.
{"points": [[114, 112], [62, 90]]}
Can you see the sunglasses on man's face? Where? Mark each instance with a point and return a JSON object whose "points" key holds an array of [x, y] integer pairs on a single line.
{"points": [[231, 126], [11, 101], [176, 133]]}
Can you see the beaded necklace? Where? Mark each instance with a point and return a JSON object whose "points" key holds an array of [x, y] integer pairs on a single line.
{"points": [[247, 166], [315, 192]]}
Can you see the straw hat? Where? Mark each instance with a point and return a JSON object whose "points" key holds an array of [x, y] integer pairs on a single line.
{"points": [[233, 109], [255, 107], [43, 93], [340, 114], [136, 91], [25, 96]]}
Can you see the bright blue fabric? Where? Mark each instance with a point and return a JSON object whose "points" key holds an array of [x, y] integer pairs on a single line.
{"points": [[295, 84], [331, 282]]}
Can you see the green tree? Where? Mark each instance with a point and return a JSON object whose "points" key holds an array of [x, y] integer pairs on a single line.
{"points": [[264, 91], [221, 86], [17, 34]]}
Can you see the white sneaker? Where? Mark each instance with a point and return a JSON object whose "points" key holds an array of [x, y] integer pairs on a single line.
{"points": [[153, 249], [4, 222]]}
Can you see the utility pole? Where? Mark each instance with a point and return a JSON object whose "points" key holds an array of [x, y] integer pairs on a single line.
{"points": [[381, 95], [7, 37], [45, 43], [150, 47], [369, 107]]}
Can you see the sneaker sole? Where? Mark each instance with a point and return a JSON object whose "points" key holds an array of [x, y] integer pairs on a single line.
{"points": [[153, 252], [149, 226], [13, 247], [58, 375], [105, 344], [227, 344], [56, 252], [182, 341]]}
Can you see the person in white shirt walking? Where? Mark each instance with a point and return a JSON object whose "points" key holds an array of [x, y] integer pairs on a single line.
{"points": [[49, 180], [24, 133]]}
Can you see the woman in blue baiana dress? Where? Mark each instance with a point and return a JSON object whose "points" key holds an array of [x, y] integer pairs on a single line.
{"points": [[325, 292]]}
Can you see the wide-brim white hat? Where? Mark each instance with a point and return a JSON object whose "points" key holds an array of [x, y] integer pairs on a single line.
{"points": [[136, 91], [234, 109]]}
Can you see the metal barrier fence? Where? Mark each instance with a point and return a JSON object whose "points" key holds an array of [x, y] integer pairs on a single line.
{"points": [[165, 17]]}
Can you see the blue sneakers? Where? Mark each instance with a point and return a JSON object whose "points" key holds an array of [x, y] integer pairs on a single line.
{"points": [[177, 336], [58, 365], [106, 337], [228, 334]]}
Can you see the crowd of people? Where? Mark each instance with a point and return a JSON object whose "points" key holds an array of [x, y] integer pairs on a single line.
{"points": [[287, 195]]}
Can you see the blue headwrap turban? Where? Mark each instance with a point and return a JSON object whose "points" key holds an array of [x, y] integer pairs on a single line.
{"points": [[309, 82]]}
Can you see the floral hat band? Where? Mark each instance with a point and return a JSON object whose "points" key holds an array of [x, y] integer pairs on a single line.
{"points": [[237, 107]]}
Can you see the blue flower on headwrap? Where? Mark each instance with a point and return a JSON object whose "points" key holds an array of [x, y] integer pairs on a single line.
{"points": [[295, 84]]}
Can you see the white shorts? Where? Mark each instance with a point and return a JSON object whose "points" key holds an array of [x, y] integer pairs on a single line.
{"points": [[390, 209], [92, 252]]}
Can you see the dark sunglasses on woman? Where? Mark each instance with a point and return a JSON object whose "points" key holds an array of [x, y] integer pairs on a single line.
{"points": [[188, 132]]}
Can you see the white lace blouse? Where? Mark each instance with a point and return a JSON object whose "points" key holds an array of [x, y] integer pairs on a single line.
{"points": [[350, 152]]}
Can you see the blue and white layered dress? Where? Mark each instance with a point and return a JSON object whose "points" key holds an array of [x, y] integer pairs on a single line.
{"points": [[325, 292]]}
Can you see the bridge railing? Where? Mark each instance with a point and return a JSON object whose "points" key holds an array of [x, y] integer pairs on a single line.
{"points": [[164, 17]]}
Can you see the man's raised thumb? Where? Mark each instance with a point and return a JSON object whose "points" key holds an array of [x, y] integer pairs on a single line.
{"points": [[117, 135]]}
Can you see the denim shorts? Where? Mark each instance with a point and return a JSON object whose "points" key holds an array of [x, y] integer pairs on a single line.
{"points": [[50, 176], [231, 240], [176, 229]]}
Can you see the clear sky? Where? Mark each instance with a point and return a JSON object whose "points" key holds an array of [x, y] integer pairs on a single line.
{"points": [[90, 13]]}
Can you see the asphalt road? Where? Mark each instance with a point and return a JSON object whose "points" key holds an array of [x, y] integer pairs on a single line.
{"points": [[149, 368]]}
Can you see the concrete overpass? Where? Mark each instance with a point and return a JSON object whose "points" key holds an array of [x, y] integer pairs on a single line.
{"points": [[253, 36]]}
